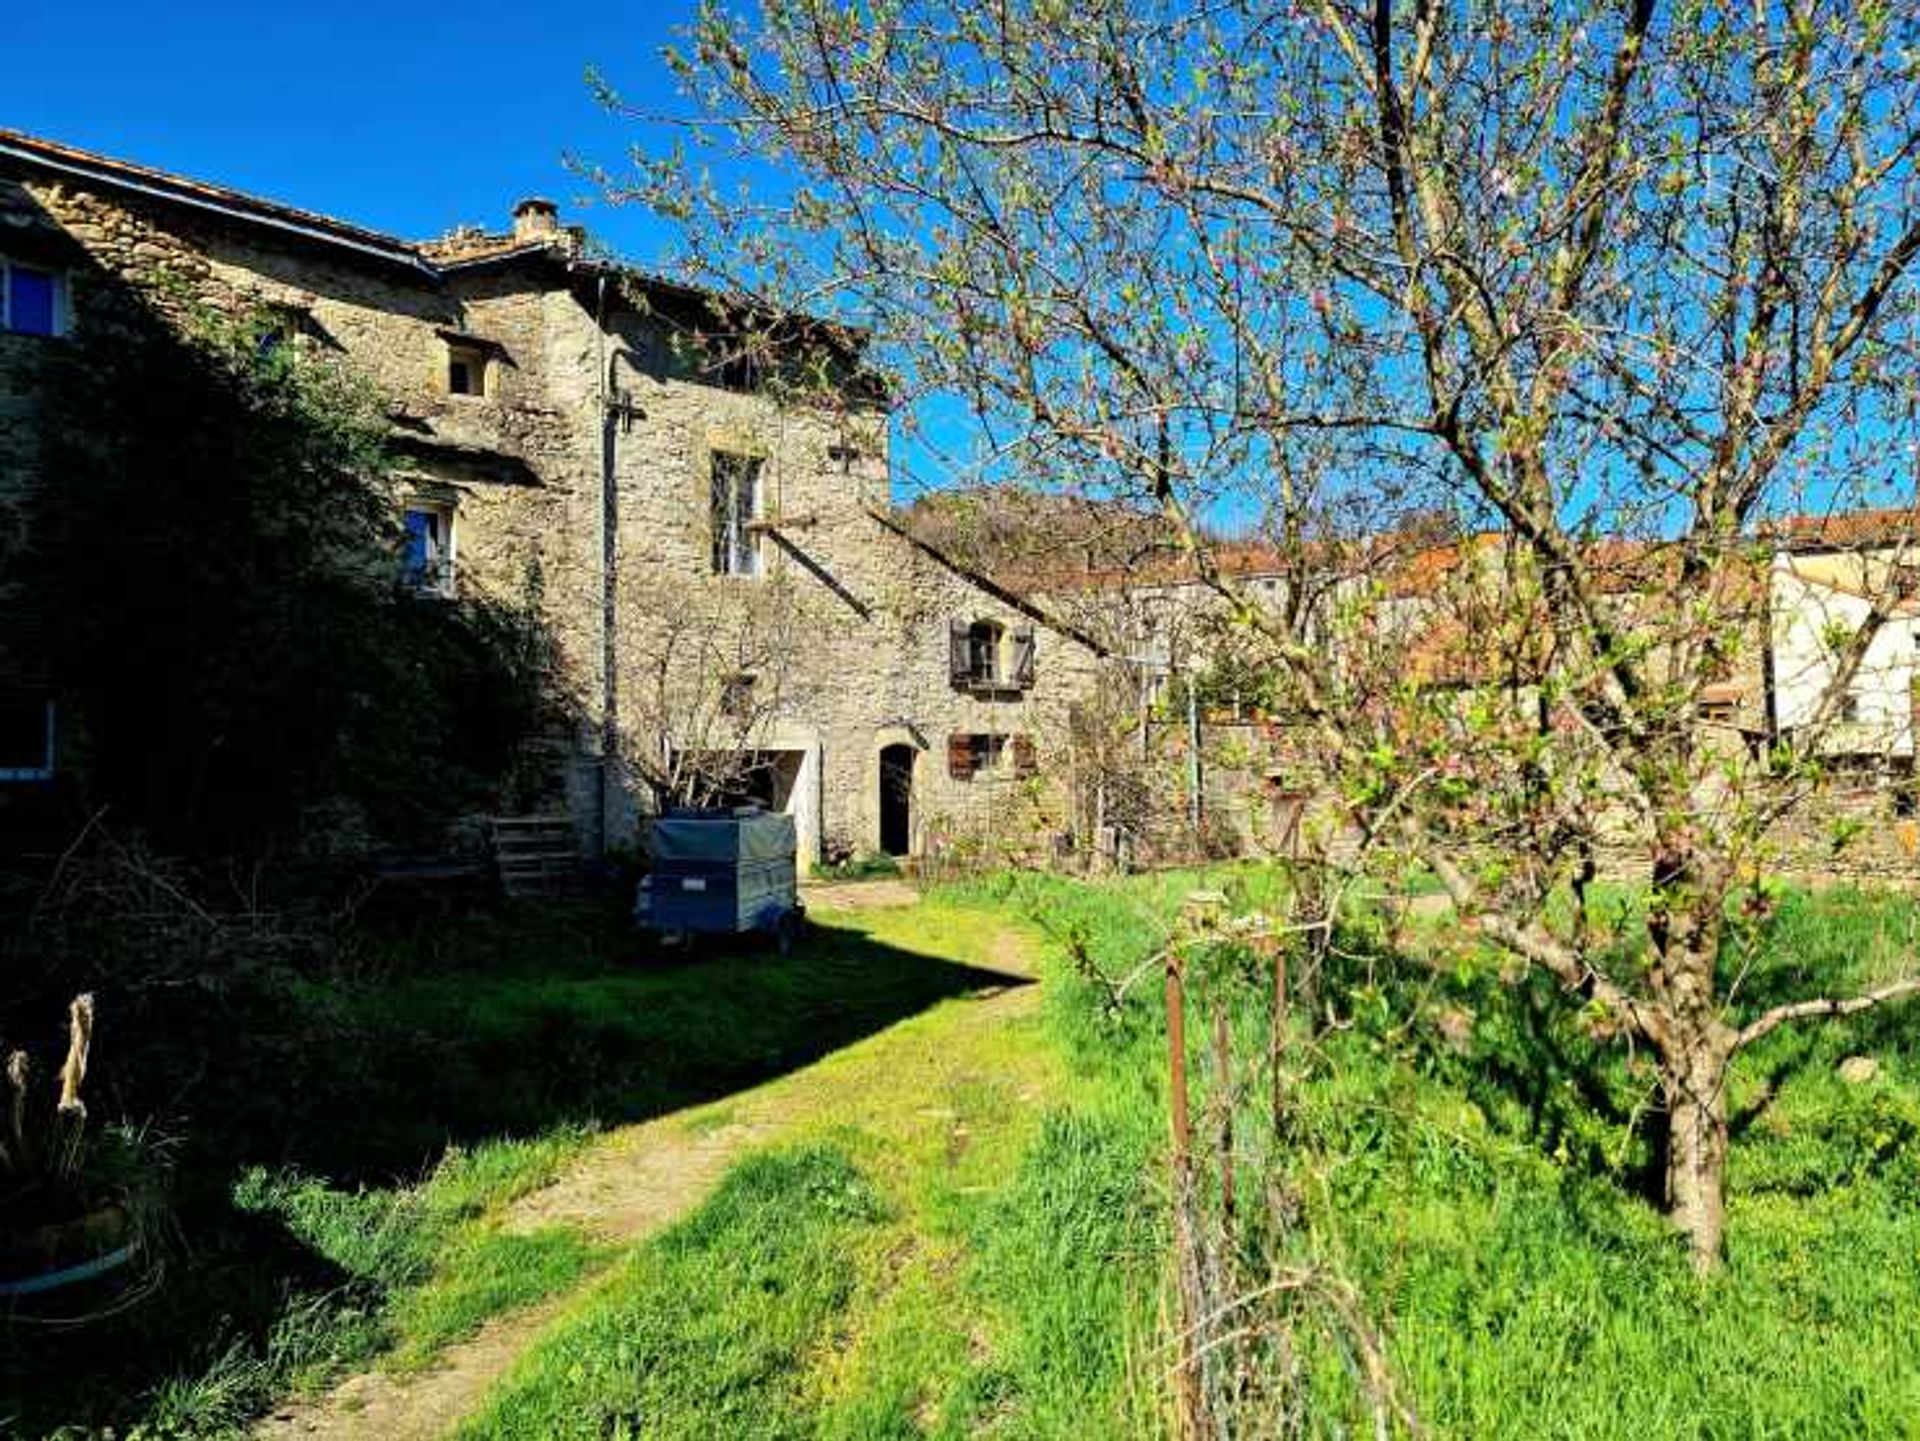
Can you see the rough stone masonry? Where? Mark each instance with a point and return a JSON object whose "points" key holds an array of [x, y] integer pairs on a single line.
{"points": [[562, 440]]}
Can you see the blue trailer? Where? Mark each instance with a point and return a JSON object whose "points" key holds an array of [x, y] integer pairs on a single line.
{"points": [[721, 872]]}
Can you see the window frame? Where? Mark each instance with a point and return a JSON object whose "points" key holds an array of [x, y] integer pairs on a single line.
{"points": [[443, 584], [737, 693], [62, 299], [986, 753], [28, 775], [986, 640], [733, 537], [1013, 650], [477, 358]]}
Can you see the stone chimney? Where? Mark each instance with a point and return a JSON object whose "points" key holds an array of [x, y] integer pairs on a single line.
{"points": [[536, 219]]}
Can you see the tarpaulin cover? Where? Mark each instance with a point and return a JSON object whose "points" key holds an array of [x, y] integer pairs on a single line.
{"points": [[722, 837]]}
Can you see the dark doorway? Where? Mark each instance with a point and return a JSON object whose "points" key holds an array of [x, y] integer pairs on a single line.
{"points": [[896, 799]]}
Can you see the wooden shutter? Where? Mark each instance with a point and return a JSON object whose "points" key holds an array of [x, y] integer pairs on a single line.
{"points": [[960, 756], [1023, 656], [1025, 762], [959, 660], [720, 511]]}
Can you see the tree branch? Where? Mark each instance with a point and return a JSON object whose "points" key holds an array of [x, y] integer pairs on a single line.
{"points": [[1825, 1006]]}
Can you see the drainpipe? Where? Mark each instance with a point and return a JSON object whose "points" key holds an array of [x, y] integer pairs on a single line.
{"points": [[617, 412], [609, 579]]}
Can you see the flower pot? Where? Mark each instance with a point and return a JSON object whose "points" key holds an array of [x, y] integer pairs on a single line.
{"points": [[54, 1252]]}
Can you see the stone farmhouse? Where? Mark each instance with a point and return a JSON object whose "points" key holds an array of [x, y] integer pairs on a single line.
{"points": [[699, 545]]}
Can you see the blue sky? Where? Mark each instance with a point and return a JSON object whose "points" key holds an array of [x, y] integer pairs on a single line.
{"points": [[406, 118]]}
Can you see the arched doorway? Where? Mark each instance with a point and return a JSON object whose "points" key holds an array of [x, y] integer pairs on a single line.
{"points": [[896, 799]]}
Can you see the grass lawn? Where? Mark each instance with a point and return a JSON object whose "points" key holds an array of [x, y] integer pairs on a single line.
{"points": [[871, 1280], [361, 1131], [953, 1219]]}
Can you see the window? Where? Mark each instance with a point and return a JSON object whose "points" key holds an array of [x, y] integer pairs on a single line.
{"points": [[282, 326], [984, 655], [968, 755], [1026, 761], [427, 556], [1850, 707], [736, 695], [1720, 703], [466, 369], [735, 495], [26, 738], [33, 301], [983, 652], [1906, 581]]}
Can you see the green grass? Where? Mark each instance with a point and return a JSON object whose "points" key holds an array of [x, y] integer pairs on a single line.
{"points": [[419, 1266], [359, 1130], [987, 1288], [707, 1332], [1004, 1283], [963, 1231], [1488, 1201], [1484, 1196], [549, 1014]]}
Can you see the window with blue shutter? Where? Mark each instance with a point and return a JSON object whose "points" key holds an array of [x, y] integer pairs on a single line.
{"points": [[33, 301]]}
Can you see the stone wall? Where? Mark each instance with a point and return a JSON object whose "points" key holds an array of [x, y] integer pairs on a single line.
{"points": [[859, 612]]}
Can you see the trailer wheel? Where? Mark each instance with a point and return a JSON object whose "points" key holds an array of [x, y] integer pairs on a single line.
{"points": [[786, 931]]}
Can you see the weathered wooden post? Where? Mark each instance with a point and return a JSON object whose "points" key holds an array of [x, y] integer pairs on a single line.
{"points": [[1195, 915], [1192, 1406]]}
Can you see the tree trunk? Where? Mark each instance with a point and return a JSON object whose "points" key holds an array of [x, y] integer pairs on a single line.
{"points": [[1694, 1079]]}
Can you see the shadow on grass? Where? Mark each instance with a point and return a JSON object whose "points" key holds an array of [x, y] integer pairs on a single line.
{"points": [[564, 1015], [454, 1033]]}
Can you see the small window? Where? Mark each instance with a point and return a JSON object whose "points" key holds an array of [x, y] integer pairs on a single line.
{"points": [[968, 755], [983, 652], [736, 696], [466, 369], [1906, 581], [1026, 760], [735, 487], [982, 655], [427, 556], [281, 327], [26, 738], [33, 301], [1720, 703], [1849, 707]]}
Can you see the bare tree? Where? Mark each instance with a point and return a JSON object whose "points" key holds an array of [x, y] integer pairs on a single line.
{"points": [[1613, 288], [712, 683]]}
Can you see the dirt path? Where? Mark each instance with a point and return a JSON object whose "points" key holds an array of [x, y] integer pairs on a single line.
{"points": [[640, 1179], [859, 895]]}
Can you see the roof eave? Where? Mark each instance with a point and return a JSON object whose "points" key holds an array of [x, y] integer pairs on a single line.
{"points": [[364, 243]]}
